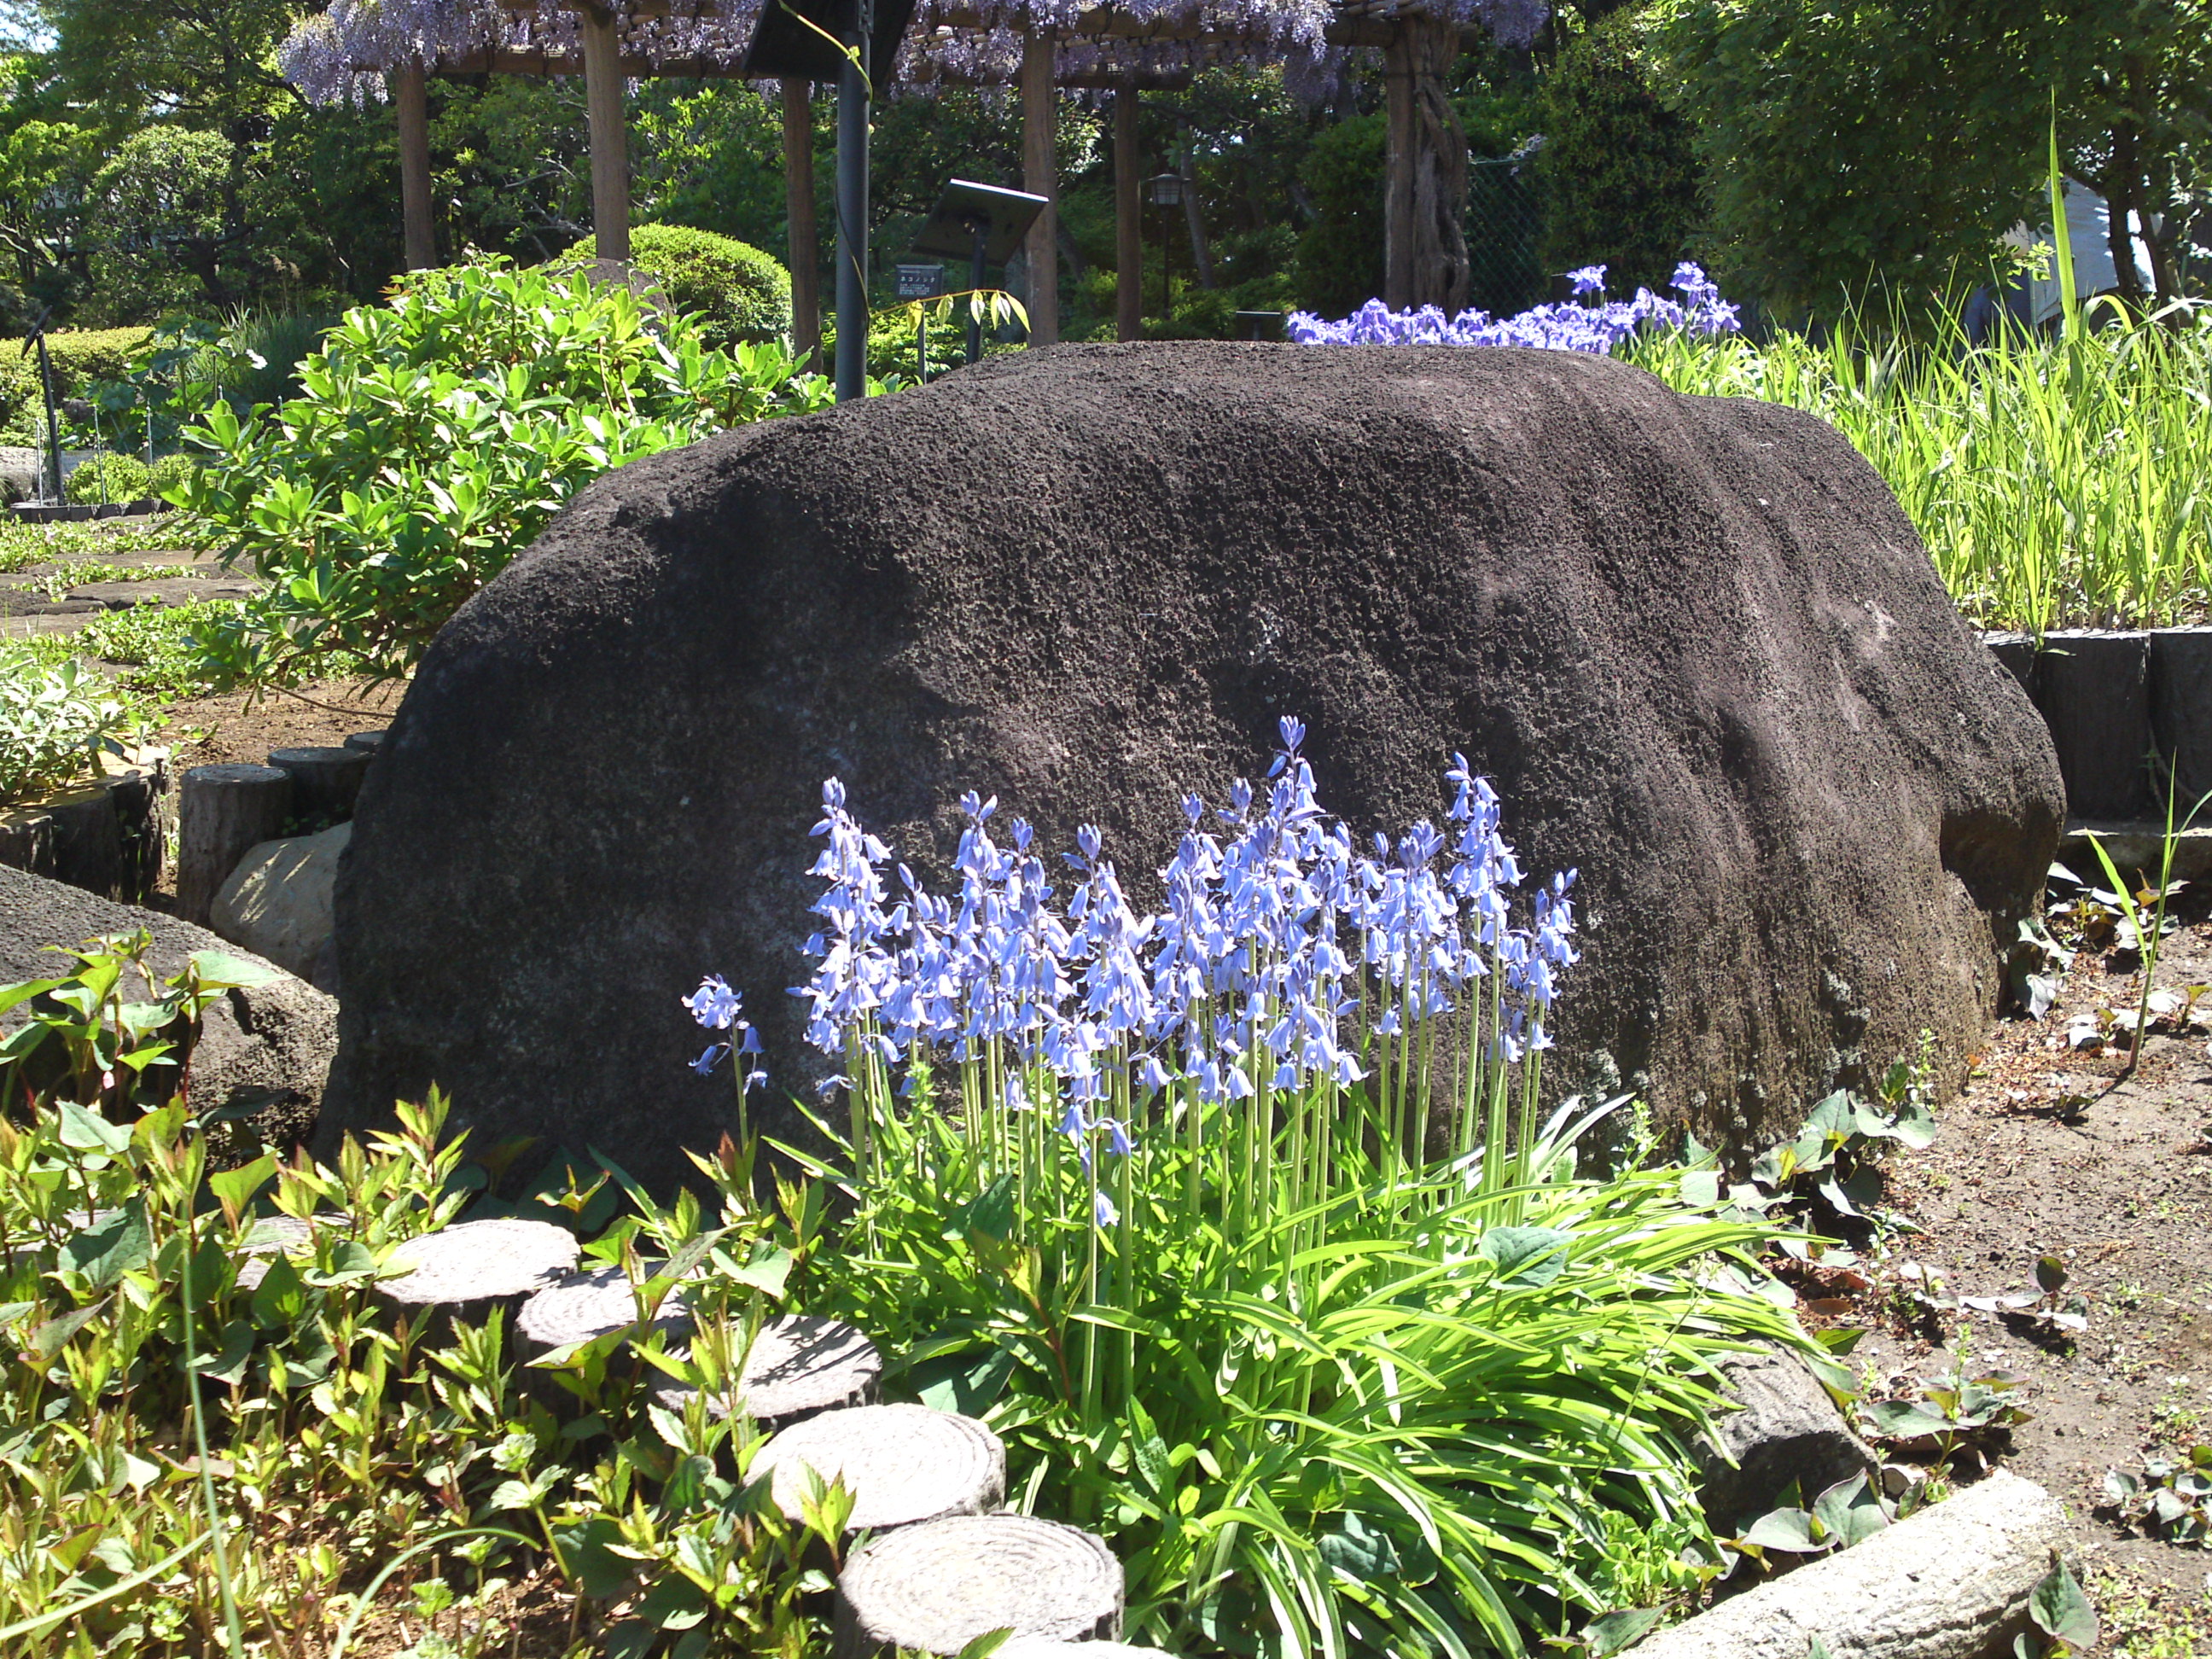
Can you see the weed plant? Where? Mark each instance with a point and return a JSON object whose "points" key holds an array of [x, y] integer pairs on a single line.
{"points": [[197, 1459], [1246, 1224], [57, 722]]}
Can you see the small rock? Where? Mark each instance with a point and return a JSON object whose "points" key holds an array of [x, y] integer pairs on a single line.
{"points": [[277, 902], [1786, 1430]]}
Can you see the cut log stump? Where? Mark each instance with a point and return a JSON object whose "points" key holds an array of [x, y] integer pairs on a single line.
{"points": [[934, 1588], [325, 781], [588, 1306], [368, 742], [280, 1234], [221, 811], [902, 1464], [799, 1364], [468, 1270], [1039, 1647]]}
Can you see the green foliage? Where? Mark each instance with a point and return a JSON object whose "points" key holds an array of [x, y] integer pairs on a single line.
{"points": [[56, 721], [351, 1444], [1863, 147], [435, 436], [113, 477], [738, 294], [1621, 183], [81, 360], [2056, 483], [1396, 1411], [171, 472], [158, 210], [1340, 257], [154, 646]]}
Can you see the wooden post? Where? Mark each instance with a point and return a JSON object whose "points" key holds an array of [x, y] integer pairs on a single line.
{"points": [[324, 779], [411, 98], [798, 206], [603, 110], [221, 811], [1039, 178], [1128, 220], [1425, 183]]}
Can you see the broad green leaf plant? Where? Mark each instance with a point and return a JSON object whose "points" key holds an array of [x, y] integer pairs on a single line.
{"points": [[435, 436]]}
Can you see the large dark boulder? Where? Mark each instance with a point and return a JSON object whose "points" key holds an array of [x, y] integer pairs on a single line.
{"points": [[1694, 641]]}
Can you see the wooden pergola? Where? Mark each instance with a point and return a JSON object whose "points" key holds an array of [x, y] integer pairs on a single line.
{"points": [[1125, 46]]}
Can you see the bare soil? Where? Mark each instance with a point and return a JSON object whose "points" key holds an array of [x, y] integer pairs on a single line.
{"points": [[2048, 1153]]}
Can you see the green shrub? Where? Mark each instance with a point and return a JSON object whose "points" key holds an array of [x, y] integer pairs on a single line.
{"points": [[1620, 179], [1340, 257], [56, 721], [114, 477], [435, 436], [81, 358], [171, 472], [739, 294]]}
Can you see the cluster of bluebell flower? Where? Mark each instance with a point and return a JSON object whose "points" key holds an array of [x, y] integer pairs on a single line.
{"points": [[1292, 990], [1589, 322]]}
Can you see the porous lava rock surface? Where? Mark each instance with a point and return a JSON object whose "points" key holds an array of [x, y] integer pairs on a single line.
{"points": [[264, 1046], [1695, 642]]}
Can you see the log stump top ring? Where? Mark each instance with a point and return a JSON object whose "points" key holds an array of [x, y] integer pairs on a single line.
{"points": [[479, 1262], [589, 1306], [799, 1364], [934, 1588], [902, 1464]]}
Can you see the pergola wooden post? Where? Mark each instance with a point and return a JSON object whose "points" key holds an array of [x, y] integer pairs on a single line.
{"points": [[1039, 177], [603, 110], [1128, 220], [410, 98], [799, 208], [1425, 182]]}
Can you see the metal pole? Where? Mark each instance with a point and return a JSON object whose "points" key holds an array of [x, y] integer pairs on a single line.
{"points": [[852, 208], [976, 268], [53, 430]]}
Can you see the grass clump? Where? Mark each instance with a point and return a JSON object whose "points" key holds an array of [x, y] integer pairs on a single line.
{"points": [[2056, 482]]}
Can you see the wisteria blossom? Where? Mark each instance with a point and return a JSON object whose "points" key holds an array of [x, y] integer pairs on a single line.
{"points": [[1572, 326], [342, 54]]}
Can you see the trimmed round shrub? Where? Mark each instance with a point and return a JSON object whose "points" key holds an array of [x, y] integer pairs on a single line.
{"points": [[111, 478], [736, 292]]}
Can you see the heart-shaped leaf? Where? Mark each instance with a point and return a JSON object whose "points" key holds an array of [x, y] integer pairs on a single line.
{"points": [[1527, 1258]]}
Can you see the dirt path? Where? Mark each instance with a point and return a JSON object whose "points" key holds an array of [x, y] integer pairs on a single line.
{"points": [[2045, 1155]]}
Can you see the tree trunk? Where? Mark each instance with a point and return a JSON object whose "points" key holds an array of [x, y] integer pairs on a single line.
{"points": [[1039, 177], [1424, 190], [410, 98], [798, 207], [221, 811], [1201, 257], [1128, 220]]}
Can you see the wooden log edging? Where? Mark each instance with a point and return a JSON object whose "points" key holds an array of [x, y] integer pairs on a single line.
{"points": [[222, 811], [799, 1366], [1950, 1582], [105, 838], [326, 779], [904, 1465], [936, 1587]]}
